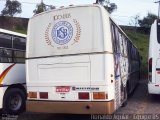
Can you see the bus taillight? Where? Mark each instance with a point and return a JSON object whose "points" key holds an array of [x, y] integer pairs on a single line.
{"points": [[150, 69], [150, 65], [43, 95], [99, 95], [83, 95]]}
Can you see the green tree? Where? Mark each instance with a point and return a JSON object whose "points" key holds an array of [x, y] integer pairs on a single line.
{"points": [[110, 7], [40, 8], [11, 8], [43, 7], [148, 20]]}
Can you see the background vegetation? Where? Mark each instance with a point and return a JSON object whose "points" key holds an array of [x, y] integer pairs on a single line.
{"points": [[141, 41]]}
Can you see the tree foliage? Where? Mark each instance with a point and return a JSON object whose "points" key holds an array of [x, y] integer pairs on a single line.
{"points": [[43, 7], [40, 8], [148, 20], [11, 8], [110, 7]]}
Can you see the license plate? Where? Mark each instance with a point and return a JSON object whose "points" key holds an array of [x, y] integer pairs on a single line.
{"points": [[62, 89]]}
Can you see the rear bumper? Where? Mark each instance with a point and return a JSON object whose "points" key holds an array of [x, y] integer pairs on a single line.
{"points": [[71, 107], [152, 89]]}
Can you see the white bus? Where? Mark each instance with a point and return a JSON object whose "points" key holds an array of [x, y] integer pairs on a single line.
{"points": [[12, 71], [154, 59], [78, 61]]}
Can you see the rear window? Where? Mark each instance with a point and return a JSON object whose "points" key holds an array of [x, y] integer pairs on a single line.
{"points": [[158, 31]]}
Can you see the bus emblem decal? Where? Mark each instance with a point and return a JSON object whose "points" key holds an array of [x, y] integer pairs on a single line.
{"points": [[62, 32]]}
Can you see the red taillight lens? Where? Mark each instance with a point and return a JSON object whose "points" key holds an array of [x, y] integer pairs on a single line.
{"points": [[83, 95], [150, 65], [150, 69], [43, 95]]}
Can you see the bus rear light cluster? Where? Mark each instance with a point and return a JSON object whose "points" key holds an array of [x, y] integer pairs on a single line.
{"points": [[99, 95], [32, 94], [43, 95], [150, 69], [96, 95], [83, 95], [150, 65]]}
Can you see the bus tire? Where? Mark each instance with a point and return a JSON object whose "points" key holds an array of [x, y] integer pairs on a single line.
{"points": [[14, 101]]}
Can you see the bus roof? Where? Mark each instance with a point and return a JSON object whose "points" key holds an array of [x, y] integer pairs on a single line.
{"points": [[13, 33], [67, 7]]}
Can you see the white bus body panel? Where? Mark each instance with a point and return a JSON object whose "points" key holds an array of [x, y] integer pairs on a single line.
{"points": [[154, 53], [74, 71], [15, 75], [87, 34]]}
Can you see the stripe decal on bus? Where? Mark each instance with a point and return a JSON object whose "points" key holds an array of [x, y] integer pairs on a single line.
{"points": [[5, 72]]}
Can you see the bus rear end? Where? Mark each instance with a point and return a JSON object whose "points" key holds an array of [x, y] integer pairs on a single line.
{"points": [[69, 70], [154, 59]]}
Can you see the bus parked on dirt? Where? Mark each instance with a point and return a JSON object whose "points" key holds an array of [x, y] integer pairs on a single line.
{"points": [[154, 59], [12, 71], [79, 63]]}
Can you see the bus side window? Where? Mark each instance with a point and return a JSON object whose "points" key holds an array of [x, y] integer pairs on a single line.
{"points": [[19, 43], [117, 40], [8, 54], [5, 55], [19, 56], [5, 41], [115, 37], [122, 43], [129, 47]]}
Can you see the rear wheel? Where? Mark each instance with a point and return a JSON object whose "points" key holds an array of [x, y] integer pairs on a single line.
{"points": [[14, 101]]}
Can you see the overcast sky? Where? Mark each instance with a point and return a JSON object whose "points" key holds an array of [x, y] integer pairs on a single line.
{"points": [[125, 13]]}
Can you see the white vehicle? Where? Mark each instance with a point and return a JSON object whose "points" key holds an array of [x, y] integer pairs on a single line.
{"points": [[12, 71], [78, 63], [154, 59]]}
